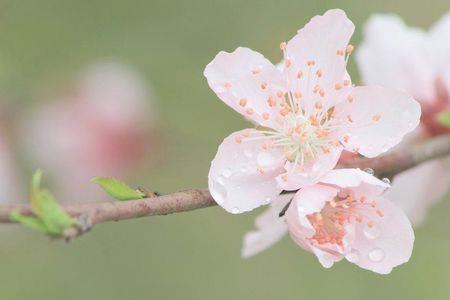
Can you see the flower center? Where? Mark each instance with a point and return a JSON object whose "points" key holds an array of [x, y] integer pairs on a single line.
{"points": [[303, 136], [330, 221]]}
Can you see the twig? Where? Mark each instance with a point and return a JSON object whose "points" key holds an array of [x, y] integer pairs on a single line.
{"points": [[90, 214]]}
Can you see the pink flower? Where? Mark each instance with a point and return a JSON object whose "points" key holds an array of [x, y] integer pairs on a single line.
{"points": [[306, 115], [103, 128], [417, 62], [345, 216]]}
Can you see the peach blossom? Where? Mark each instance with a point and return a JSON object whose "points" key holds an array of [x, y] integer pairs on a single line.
{"points": [[346, 216], [305, 115], [416, 62]]}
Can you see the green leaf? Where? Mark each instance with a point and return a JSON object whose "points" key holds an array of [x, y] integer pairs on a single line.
{"points": [[117, 189], [28, 221], [444, 118], [47, 209]]}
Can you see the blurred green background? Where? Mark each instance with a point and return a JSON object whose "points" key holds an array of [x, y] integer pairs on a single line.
{"points": [[193, 255]]}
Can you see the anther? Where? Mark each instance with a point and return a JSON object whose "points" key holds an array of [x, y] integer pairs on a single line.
{"points": [[346, 82], [350, 49], [265, 116], [263, 85], [271, 101], [337, 86], [249, 111], [243, 102], [285, 111], [376, 117], [227, 85], [283, 46]]}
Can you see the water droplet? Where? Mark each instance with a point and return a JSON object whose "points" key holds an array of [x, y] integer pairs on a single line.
{"points": [[386, 180], [265, 159], [376, 255], [235, 210], [372, 232], [220, 180], [218, 191], [353, 256], [248, 153], [227, 173], [315, 167], [369, 171]]}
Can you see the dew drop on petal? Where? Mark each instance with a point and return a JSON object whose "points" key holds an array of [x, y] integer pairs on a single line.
{"points": [[220, 180], [386, 180], [376, 255], [248, 153], [227, 173], [265, 159], [372, 232], [369, 171], [353, 256], [235, 210], [219, 191]]}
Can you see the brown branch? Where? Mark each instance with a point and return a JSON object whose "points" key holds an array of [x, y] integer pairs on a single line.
{"points": [[90, 214]]}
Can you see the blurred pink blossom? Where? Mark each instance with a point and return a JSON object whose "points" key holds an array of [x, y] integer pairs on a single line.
{"points": [[417, 62], [103, 128], [306, 115]]}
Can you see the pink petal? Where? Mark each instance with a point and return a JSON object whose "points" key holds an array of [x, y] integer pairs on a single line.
{"points": [[397, 56], [387, 244], [270, 228], [318, 42], [439, 35], [245, 80], [308, 201], [377, 119], [242, 175], [416, 190], [356, 179], [310, 172]]}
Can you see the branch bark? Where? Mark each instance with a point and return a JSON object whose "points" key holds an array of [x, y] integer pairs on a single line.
{"points": [[90, 214]]}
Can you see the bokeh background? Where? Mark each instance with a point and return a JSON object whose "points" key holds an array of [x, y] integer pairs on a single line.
{"points": [[193, 255]]}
